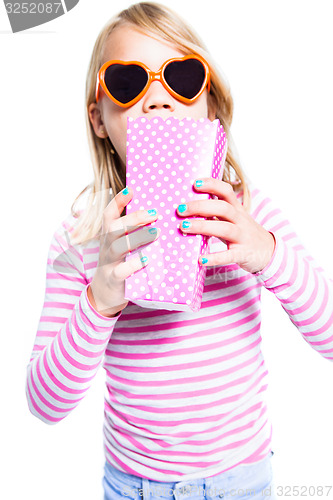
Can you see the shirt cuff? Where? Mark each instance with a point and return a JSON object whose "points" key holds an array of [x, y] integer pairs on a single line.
{"points": [[275, 272], [94, 316]]}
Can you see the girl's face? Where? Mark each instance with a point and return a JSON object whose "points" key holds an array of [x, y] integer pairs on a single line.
{"points": [[128, 44]]}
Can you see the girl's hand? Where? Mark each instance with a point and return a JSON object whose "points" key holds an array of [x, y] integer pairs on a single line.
{"points": [[249, 244], [119, 237]]}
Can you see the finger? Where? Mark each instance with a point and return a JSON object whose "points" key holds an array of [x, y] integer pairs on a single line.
{"points": [[123, 270], [218, 258], [131, 222], [224, 230], [130, 242], [114, 222], [116, 206], [209, 208], [221, 189]]}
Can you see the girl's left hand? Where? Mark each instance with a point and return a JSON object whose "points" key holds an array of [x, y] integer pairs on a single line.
{"points": [[249, 244]]}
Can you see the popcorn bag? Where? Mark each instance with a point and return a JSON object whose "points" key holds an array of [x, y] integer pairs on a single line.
{"points": [[164, 158]]}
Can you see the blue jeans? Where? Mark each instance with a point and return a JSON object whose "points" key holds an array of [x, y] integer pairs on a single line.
{"points": [[244, 482]]}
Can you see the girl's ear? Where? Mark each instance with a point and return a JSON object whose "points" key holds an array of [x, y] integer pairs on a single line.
{"points": [[96, 120]]}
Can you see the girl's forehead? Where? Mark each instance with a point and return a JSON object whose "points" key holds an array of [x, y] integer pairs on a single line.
{"points": [[129, 44]]}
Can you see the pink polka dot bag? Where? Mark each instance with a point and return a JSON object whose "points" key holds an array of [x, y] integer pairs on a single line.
{"points": [[164, 158]]}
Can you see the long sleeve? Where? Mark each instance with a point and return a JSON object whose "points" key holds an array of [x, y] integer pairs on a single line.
{"points": [[302, 288], [71, 338]]}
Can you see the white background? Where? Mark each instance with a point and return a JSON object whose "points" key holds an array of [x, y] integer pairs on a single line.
{"points": [[277, 57]]}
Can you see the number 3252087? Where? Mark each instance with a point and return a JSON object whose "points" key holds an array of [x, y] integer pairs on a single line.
{"points": [[32, 8]]}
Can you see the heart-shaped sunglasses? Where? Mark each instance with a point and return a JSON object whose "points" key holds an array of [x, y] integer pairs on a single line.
{"points": [[125, 82]]}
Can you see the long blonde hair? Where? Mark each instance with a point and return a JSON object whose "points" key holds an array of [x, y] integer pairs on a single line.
{"points": [[109, 172]]}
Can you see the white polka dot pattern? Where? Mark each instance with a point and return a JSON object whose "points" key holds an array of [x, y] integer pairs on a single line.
{"points": [[164, 158]]}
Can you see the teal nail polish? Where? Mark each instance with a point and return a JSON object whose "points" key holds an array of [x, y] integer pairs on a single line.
{"points": [[152, 211], [144, 259], [204, 260], [182, 208], [198, 184], [125, 191], [152, 230], [186, 224]]}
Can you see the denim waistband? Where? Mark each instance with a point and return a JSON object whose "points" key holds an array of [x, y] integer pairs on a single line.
{"points": [[137, 482]]}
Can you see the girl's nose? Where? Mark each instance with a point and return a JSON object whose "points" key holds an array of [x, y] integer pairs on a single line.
{"points": [[157, 97]]}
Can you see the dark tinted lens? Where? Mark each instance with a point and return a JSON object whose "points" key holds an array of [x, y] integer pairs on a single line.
{"points": [[185, 77], [125, 82]]}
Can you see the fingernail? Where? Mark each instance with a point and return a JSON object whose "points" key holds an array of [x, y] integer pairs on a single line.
{"points": [[204, 260], [186, 224], [125, 191], [152, 230], [198, 184], [152, 211], [144, 259], [181, 208]]}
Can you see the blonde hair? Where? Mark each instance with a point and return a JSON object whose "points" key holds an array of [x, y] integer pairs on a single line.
{"points": [[109, 172]]}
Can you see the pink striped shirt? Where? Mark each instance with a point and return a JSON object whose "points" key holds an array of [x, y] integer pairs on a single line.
{"points": [[185, 391]]}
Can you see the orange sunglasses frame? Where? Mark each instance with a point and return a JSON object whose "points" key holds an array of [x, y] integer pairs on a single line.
{"points": [[152, 76]]}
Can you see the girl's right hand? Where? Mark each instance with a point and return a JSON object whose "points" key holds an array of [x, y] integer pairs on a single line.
{"points": [[107, 288]]}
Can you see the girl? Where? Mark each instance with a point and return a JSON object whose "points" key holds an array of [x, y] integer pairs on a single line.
{"points": [[185, 410]]}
